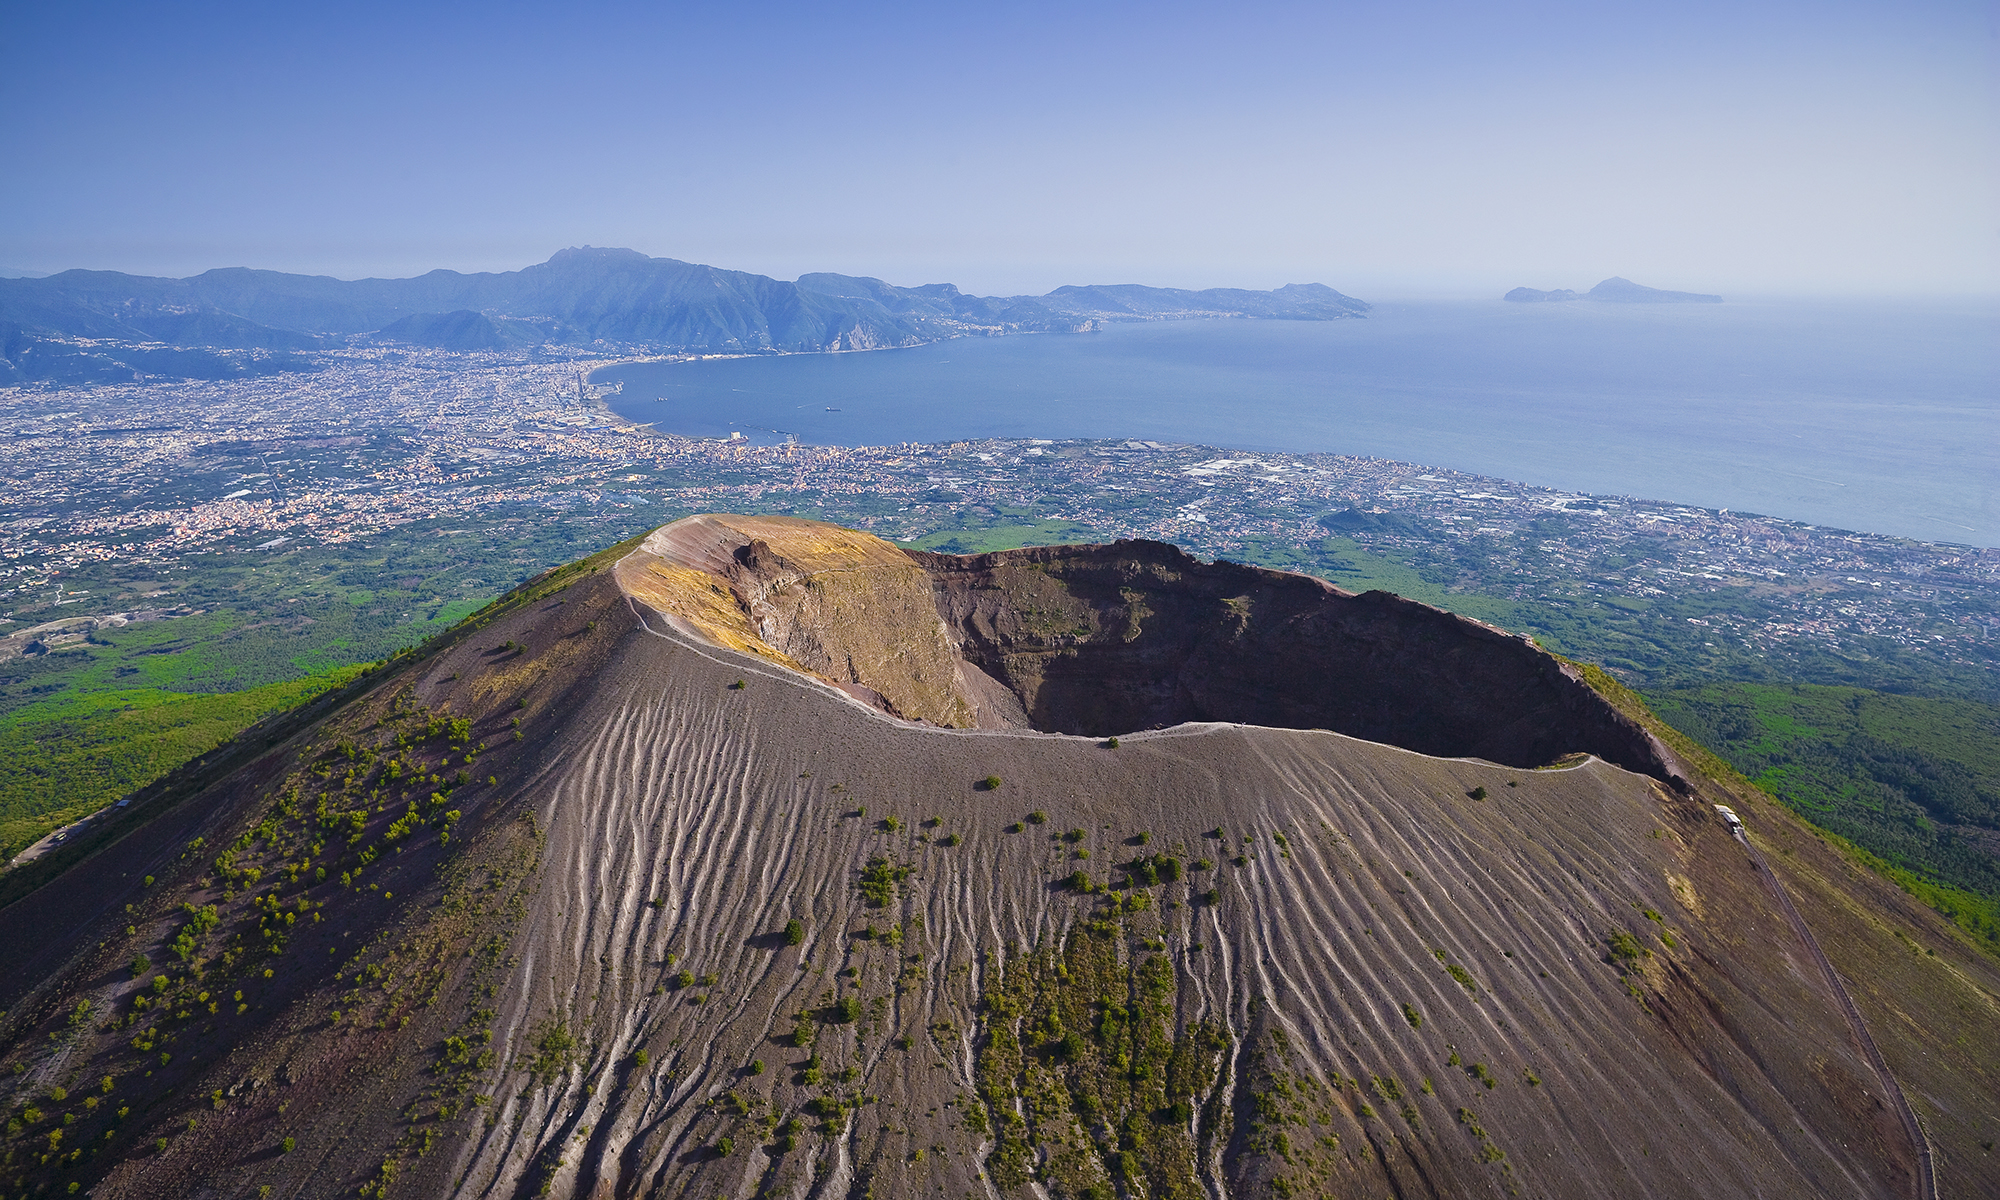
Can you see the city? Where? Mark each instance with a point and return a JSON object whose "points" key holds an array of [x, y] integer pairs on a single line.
{"points": [[161, 482]]}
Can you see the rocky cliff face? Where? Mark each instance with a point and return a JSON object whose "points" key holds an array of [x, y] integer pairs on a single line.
{"points": [[619, 891], [842, 606], [1104, 640], [1109, 640]]}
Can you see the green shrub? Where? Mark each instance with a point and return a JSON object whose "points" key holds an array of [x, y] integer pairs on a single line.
{"points": [[289, 1145], [795, 932], [991, 783], [880, 879], [1625, 948], [1415, 1018], [1037, 817], [1478, 793]]}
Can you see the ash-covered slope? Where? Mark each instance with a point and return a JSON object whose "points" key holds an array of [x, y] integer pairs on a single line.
{"points": [[718, 927]]}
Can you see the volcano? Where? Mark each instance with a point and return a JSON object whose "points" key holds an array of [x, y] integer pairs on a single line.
{"points": [[759, 857]]}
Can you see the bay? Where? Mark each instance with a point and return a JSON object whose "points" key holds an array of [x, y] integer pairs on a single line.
{"points": [[1882, 417]]}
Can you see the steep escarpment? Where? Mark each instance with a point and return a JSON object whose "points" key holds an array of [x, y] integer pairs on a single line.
{"points": [[1103, 640], [585, 900], [1107, 640]]}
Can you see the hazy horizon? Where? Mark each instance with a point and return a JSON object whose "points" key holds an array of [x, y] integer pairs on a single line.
{"points": [[1438, 150], [1389, 290]]}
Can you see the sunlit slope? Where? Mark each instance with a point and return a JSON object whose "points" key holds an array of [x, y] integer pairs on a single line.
{"points": [[1693, 1070], [1425, 975]]}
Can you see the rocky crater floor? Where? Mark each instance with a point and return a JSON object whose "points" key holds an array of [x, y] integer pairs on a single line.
{"points": [[762, 858]]}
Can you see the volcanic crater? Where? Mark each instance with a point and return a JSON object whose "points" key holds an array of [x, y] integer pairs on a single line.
{"points": [[763, 858]]}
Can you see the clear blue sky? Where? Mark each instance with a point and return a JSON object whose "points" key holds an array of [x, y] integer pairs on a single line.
{"points": [[1413, 148]]}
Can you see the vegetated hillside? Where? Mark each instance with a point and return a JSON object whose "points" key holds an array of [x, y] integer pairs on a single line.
{"points": [[1916, 780], [630, 887], [578, 297]]}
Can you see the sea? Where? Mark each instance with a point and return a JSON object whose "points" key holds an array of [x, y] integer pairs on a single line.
{"points": [[1878, 417]]}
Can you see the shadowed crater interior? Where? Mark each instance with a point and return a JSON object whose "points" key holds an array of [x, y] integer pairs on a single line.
{"points": [[1114, 639], [1102, 640]]}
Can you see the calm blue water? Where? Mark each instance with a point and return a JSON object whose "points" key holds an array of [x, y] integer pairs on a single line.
{"points": [[1875, 417]]}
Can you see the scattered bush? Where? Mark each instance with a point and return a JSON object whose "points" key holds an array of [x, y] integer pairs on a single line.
{"points": [[990, 784], [1625, 949], [1415, 1018], [879, 880], [795, 932], [1037, 817], [1478, 793]]}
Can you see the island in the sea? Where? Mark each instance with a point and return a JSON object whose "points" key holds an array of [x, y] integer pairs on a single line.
{"points": [[1614, 290]]}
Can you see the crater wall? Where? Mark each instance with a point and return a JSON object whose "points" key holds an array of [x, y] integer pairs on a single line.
{"points": [[1103, 640]]}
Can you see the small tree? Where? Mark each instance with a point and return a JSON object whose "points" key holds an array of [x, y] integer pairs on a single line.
{"points": [[795, 932]]}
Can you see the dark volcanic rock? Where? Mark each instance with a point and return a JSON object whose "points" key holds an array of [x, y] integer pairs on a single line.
{"points": [[1103, 640]]}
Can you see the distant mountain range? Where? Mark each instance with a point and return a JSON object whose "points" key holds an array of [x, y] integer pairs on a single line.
{"points": [[87, 326], [1615, 291]]}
